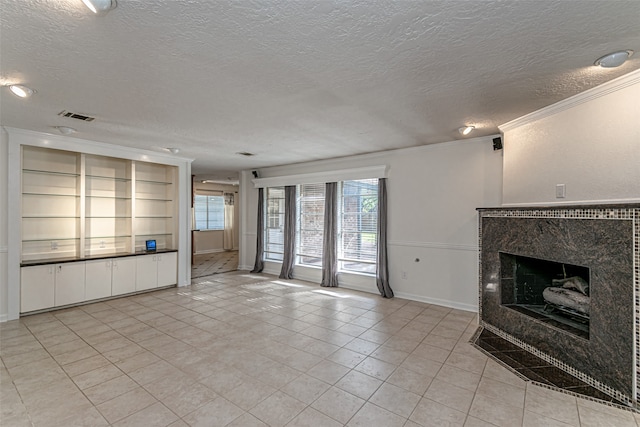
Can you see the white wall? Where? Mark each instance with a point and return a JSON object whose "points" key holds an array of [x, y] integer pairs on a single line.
{"points": [[213, 241], [4, 223], [590, 143], [433, 193]]}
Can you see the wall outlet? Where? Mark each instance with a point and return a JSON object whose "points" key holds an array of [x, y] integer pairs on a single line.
{"points": [[403, 275], [561, 191], [54, 246]]}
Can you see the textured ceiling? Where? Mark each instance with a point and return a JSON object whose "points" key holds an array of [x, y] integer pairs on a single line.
{"points": [[293, 81]]}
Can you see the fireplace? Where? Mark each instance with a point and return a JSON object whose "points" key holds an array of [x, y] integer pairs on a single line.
{"points": [[529, 256], [553, 292]]}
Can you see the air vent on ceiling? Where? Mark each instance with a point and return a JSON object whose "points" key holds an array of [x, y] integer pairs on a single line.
{"points": [[245, 153], [65, 113]]}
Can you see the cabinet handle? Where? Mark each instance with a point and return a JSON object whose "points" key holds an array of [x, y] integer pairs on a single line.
{"points": [[59, 269], [154, 257]]}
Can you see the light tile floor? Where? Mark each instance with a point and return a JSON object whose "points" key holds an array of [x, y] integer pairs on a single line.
{"points": [[251, 350]]}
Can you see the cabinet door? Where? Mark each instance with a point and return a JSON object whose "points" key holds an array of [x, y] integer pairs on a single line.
{"points": [[98, 283], [124, 275], [146, 272], [69, 288], [36, 287], [167, 269]]}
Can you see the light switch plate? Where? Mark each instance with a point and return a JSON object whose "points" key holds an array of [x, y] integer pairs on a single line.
{"points": [[561, 191]]}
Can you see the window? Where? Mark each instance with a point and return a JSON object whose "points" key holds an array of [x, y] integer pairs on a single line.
{"points": [[358, 221], [209, 212], [274, 224], [357, 225], [310, 224]]}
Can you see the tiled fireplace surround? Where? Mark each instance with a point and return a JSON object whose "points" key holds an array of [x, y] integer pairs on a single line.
{"points": [[604, 238]]}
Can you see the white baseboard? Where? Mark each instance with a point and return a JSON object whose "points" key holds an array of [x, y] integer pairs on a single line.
{"points": [[210, 251], [437, 301], [245, 267], [3, 318]]}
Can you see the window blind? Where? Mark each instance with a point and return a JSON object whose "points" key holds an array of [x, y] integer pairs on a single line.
{"points": [[274, 224], [310, 224]]}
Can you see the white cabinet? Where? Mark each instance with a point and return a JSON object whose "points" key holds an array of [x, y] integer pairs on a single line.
{"points": [[167, 269], [146, 272], [69, 283], [53, 285], [37, 287], [98, 283], [157, 270], [107, 277], [123, 275]]}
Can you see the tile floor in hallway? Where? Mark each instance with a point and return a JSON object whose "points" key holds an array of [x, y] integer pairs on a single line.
{"points": [[213, 263], [251, 350]]}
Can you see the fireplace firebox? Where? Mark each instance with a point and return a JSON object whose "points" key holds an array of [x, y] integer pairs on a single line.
{"points": [[549, 291]]}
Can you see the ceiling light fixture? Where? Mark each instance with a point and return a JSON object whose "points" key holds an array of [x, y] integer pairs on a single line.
{"points": [[173, 150], [614, 59], [21, 91], [466, 130], [65, 130], [100, 7]]}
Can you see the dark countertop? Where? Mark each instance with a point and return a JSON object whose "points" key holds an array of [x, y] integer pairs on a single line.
{"points": [[32, 263]]}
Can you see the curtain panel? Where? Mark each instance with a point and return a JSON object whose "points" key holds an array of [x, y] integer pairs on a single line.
{"points": [[289, 232], [227, 236], [382, 270], [330, 243], [258, 266]]}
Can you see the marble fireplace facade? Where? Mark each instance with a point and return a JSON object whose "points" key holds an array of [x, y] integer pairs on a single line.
{"points": [[604, 239]]}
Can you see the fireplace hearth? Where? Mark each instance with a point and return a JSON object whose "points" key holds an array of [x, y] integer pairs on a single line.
{"points": [[560, 283]]}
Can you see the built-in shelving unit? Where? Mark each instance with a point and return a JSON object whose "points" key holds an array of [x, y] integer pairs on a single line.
{"points": [[81, 212], [77, 205]]}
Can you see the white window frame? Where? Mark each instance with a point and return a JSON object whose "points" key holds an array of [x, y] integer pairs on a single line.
{"points": [[343, 259]]}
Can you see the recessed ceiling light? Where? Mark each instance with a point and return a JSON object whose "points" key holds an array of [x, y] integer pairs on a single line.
{"points": [[173, 150], [65, 130], [466, 130], [100, 7], [614, 59], [21, 91], [245, 153]]}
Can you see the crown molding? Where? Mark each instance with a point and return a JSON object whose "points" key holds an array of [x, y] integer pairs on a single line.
{"points": [[586, 96], [63, 142], [379, 171]]}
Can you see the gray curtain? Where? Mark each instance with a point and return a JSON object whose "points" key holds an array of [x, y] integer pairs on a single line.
{"points": [[258, 266], [382, 270], [289, 232], [330, 241]]}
